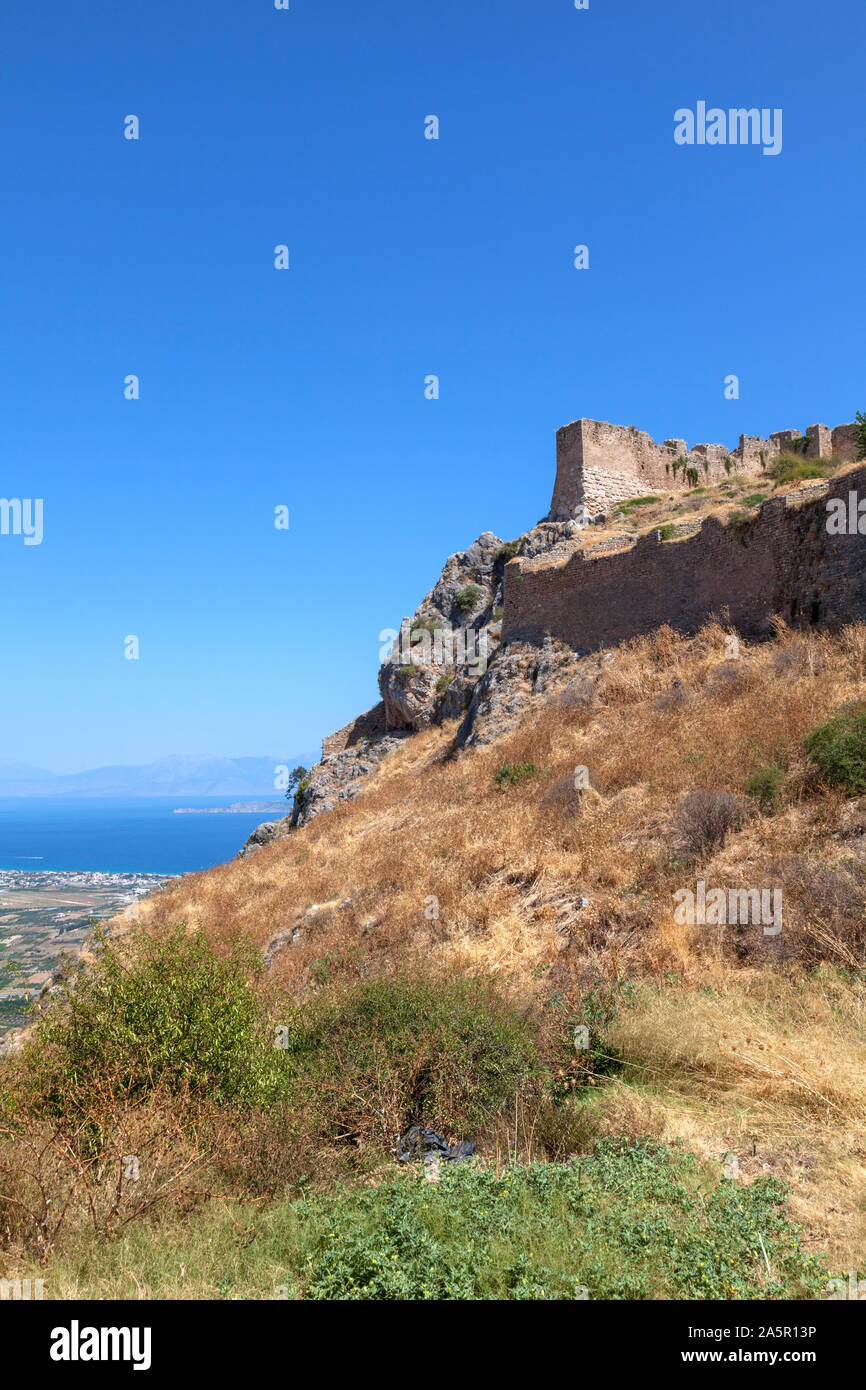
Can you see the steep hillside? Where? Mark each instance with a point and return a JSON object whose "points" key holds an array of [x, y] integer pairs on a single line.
{"points": [[601, 914], [494, 860]]}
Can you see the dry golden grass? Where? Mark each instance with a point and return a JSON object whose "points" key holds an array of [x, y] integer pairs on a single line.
{"points": [[507, 869], [770, 1065]]}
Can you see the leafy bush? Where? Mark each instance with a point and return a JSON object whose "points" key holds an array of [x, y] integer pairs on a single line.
{"points": [[860, 434], [381, 1055], [765, 786], [465, 600], [692, 477], [406, 673], [838, 748], [704, 818], [163, 1011], [512, 773], [754, 499]]}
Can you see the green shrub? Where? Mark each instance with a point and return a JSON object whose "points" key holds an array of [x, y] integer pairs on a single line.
{"points": [[765, 786], [754, 499], [791, 468], [375, 1057], [838, 748], [406, 673], [860, 434], [442, 685], [164, 1010], [729, 463], [507, 552], [465, 600], [512, 773], [692, 477], [668, 530]]}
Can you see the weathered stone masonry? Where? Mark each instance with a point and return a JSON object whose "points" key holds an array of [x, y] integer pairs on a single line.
{"points": [[598, 465], [782, 562]]}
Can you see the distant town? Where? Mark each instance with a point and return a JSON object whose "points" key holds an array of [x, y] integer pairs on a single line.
{"points": [[45, 916]]}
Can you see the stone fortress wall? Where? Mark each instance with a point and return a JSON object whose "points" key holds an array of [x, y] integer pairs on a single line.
{"points": [[784, 561], [598, 465]]}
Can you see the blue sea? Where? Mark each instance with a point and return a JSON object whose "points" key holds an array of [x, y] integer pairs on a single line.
{"points": [[122, 835]]}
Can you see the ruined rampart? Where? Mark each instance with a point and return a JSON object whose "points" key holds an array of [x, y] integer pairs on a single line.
{"points": [[784, 561]]}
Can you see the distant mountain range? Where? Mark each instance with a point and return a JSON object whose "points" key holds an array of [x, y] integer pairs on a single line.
{"points": [[173, 776]]}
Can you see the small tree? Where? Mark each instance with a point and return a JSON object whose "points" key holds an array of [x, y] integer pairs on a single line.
{"points": [[296, 778]]}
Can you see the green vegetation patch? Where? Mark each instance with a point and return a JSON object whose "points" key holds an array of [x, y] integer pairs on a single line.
{"points": [[791, 468], [169, 1012], [384, 1054], [838, 748], [465, 600], [507, 552], [512, 773], [630, 1221], [765, 786], [636, 502]]}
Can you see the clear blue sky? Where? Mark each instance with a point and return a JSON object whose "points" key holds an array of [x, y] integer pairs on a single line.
{"points": [[408, 257]]}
